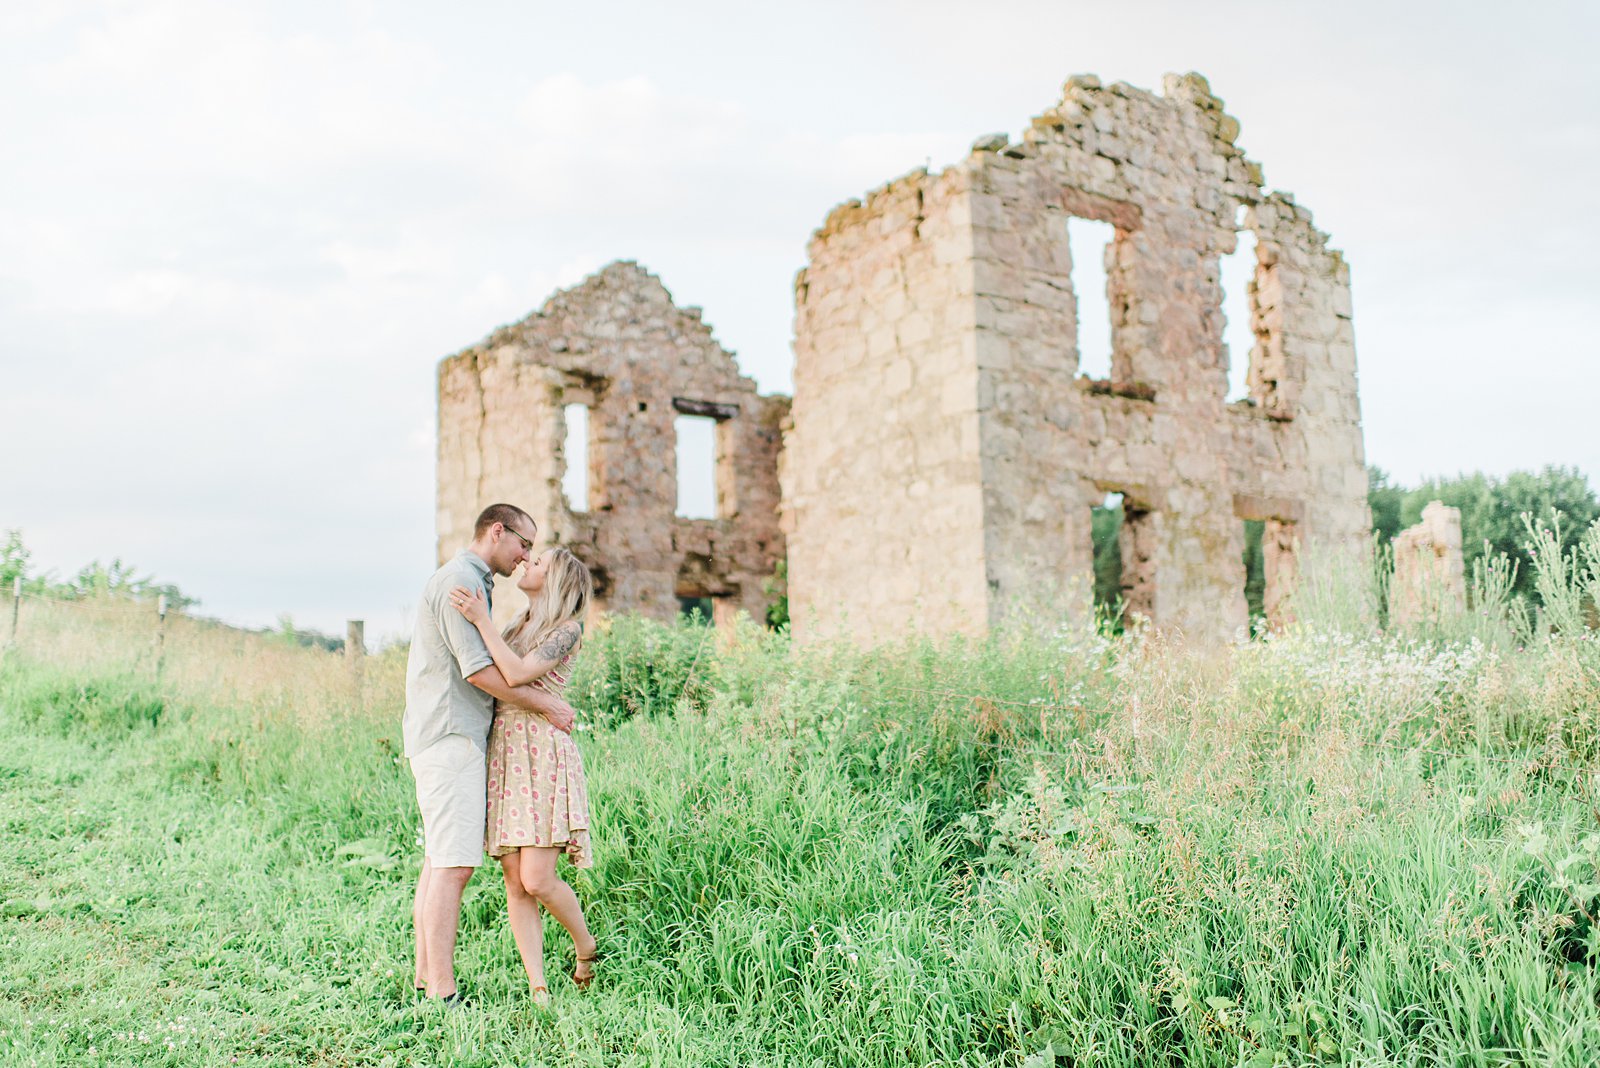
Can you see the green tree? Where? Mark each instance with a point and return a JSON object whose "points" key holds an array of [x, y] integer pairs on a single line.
{"points": [[1255, 573], [1386, 501], [118, 579], [777, 587], [1492, 510], [14, 558], [1105, 527]]}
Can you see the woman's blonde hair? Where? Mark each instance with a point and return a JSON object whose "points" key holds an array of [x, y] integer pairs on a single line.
{"points": [[568, 589]]}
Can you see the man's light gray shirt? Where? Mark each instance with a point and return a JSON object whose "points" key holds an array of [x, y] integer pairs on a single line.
{"points": [[445, 650]]}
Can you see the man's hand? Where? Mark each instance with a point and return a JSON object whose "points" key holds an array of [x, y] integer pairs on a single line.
{"points": [[558, 712], [534, 699]]}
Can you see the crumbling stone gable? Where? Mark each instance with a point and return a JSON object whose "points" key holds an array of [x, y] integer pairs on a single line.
{"points": [[945, 452], [618, 344], [1429, 583]]}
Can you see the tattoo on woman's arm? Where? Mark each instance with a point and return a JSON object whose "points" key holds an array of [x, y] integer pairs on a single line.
{"points": [[560, 643]]}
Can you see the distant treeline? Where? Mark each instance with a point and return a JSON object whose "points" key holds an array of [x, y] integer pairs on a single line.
{"points": [[118, 579], [115, 579], [1491, 511]]}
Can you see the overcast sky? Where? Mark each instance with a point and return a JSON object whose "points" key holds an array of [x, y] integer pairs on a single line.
{"points": [[238, 237]]}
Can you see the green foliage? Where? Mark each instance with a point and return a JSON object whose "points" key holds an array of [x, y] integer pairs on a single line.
{"points": [[14, 558], [777, 587], [1492, 510], [638, 667], [1255, 574], [1105, 528], [305, 637], [1567, 580], [1387, 502], [115, 579], [1041, 847], [64, 704]]}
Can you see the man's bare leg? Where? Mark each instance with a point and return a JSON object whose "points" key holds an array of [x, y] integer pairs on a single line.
{"points": [[420, 979], [441, 914]]}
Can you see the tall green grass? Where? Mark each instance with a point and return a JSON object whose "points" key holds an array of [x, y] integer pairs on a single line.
{"points": [[1339, 845]]}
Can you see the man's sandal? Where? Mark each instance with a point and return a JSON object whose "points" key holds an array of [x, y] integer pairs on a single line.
{"points": [[541, 996]]}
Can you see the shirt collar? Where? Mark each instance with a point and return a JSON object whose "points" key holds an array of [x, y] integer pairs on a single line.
{"points": [[477, 564]]}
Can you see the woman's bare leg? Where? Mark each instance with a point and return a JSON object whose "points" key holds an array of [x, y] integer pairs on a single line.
{"points": [[539, 879], [527, 925]]}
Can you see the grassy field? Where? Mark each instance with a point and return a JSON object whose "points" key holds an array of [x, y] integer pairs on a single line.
{"points": [[1335, 846]]}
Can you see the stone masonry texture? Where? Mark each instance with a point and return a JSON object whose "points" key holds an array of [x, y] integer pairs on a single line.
{"points": [[617, 344], [1430, 580], [945, 452], [937, 468]]}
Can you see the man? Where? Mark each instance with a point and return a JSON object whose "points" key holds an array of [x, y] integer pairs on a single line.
{"points": [[451, 687]]}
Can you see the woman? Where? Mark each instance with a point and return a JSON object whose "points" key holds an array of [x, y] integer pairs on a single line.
{"points": [[538, 800]]}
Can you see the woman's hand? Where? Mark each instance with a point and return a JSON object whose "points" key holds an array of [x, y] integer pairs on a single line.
{"points": [[471, 604]]}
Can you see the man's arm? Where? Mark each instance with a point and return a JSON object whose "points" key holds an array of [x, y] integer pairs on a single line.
{"points": [[553, 708]]}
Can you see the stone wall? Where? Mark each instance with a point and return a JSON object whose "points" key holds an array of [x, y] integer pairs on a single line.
{"points": [[1430, 582], [617, 344], [946, 452], [883, 484]]}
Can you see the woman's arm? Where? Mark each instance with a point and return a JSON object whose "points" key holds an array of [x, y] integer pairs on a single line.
{"points": [[518, 670]]}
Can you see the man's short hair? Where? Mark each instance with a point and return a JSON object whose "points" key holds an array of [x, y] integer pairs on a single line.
{"points": [[505, 514]]}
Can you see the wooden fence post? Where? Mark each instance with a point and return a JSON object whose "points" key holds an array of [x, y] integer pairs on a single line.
{"points": [[16, 605], [355, 654], [161, 636]]}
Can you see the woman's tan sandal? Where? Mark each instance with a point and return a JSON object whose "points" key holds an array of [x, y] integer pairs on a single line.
{"points": [[582, 982]]}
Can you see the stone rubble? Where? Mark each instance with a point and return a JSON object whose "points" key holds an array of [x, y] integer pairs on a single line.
{"points": [[1430, 575]]}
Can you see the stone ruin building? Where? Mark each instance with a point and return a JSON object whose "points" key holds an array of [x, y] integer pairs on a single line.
{"points": [[943, 452], [617, 347], [1430, 575]]}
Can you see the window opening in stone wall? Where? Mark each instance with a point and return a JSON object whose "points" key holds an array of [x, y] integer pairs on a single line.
{"points": [[697, 466], [1089, 241], [1105, 528], [1238, 310], [700, 610], [575, 479], [1255, 577]]}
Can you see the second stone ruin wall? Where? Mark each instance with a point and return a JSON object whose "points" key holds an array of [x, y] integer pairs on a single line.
{"points": [[1429, 583], [617, 344]]}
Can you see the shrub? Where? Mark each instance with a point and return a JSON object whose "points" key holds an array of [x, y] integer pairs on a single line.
{"points": [[635, 666]]}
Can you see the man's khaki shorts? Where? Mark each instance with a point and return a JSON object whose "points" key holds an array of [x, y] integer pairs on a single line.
{"points": [[452, 788]]}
